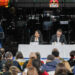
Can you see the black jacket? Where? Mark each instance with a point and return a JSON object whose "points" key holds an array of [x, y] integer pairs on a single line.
{"points": [[50, 66], [33, 39], [62, 39]]}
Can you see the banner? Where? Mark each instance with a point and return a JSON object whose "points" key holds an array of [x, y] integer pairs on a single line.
{"points": [[4, 3], [54, 3]]}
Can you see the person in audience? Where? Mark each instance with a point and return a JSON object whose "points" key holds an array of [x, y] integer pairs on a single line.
{"points": [[37, 37], [20, 59], [50, 64], [37, 68], [14, 70], [1, 63], [31, 71], [55, 53], [8, 64], [58, 37], [62, 70], [28, 63], [39, 57], [36, 63], [4, 69], [67, 65], [72, 58], [2, 50], [19, 55], [9, 56], [32, 57]]}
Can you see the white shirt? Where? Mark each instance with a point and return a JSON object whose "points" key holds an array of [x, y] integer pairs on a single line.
{"points": [[36, 39], [58, 39]]}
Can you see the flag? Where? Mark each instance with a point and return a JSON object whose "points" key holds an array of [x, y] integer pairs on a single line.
{"points": [[54, 3], [4, 3]]}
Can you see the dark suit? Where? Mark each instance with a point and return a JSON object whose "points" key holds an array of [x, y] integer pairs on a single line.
{"points": [[62, 39], [33, 39]]}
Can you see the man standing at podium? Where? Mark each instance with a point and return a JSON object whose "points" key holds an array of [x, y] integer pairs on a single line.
{"points": [[58, 37]]}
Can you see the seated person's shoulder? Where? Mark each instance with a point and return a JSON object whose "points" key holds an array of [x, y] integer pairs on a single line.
{"points": [[26, 63], [7, 73], [63, 35]]}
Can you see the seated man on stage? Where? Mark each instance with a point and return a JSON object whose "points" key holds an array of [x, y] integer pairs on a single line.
{"points": [[58, 37]]}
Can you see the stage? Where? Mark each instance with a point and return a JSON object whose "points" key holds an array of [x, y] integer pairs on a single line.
{"points": [[45, 50]]}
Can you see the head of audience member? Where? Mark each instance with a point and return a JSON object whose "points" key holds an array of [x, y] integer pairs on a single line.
{"points": [[67, 65], [72, 58], [72, 54], [14, 70], [38, 55], [59, 33], [2, 50], [37, 33], [4, 69], [61, 69], [50, 58], [36, 63], [55, 53], [19, 55], [8, 64], [9, 55], [32, 57]]}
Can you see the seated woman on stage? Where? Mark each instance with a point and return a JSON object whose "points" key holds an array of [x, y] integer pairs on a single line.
{"points": [[37, 37]]}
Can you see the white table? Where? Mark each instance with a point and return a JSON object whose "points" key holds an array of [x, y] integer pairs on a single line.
{"points": [[45, 50]]}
